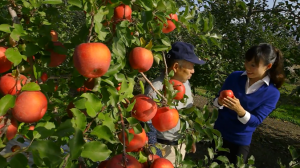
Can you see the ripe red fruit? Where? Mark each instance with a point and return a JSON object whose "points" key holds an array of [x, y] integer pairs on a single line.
{"points": [[165, 119], [174, 16], [15, 148], [162, 163], [92, 60], [31, 127], [30, 106], [122, 12], [54, 36], [117, 162], [9, 84], [144, 108], [226, 93], [169, 27], [55, 58], [119, 87], [44, 77], [5, 64], [177, 85], [103, 164], [12, 129], [55, 88], [141, 59], [151, 158], [82, 89], [138, 141]]}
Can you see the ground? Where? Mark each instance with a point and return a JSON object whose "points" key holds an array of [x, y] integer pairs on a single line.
{"points": [[269, 144]]}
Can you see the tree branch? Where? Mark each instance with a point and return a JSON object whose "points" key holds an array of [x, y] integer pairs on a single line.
{"points": [[91, 28], [13, 15], [123, 135], [153, 87]]}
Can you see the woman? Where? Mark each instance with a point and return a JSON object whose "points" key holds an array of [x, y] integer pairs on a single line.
{"points": [[255, 97]]}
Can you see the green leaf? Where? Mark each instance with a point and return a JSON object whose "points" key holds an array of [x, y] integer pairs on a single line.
{"points": [[189, 142], [214, 165], [142, 157], [130, 106], [5, 28], [79, 119], [142, 87], [295, 154], [77, 3], [36, 158], [132, 120], [3, 162], [210, 153], [138, 129], [108, 121], [53, 2], [223, 159], [103, 132], [47, 149], [13, 55], [251, 160], [157, 58], [160, 48], [214, 116], [66, 128], [45, 129], [76, 144], [118, 48], [31, 49], [96, 151], [32, 86], [89, 108], [147, 4], [94, 101], [6, 102], [18, 161], [166, 41]]}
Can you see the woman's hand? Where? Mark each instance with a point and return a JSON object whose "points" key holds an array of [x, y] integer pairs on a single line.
{"points": [[235, 105]]}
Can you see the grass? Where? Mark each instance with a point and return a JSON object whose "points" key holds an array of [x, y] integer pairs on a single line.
{"points": [[288, 106]]}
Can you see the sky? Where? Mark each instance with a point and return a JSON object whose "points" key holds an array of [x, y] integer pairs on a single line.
{"points": [[270, 3]]}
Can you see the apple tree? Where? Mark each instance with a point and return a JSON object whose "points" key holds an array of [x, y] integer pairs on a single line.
{"points": [[69, 73]]}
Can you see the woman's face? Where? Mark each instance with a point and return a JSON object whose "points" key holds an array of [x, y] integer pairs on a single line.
{"points": [[255, 71]]}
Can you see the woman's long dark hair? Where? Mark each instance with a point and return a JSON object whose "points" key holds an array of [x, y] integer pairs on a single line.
{"points": [[268, 54]]}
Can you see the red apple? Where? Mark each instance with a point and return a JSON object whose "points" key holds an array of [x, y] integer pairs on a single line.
{"points": [[169, 27], [138, 141], [5, 64], [162, 163], [177, 85], [92, 60], [141, 59], [10, 84], [12, 129], [225, 94], [44, 77], [122, 12], [30, 106], [174, 16], [117, 162], [55, 58], [165, 119], [144, 108]]}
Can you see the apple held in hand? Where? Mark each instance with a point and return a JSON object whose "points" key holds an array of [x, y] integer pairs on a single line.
{"points": [[226, 93]]}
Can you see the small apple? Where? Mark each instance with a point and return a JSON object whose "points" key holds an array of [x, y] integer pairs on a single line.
{"points": [[226, 93]]}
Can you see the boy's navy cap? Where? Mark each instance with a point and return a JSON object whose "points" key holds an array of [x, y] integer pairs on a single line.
{"points": [[185, 51]]}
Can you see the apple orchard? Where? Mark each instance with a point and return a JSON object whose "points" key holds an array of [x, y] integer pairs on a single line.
{"points": [[80, 92]]}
